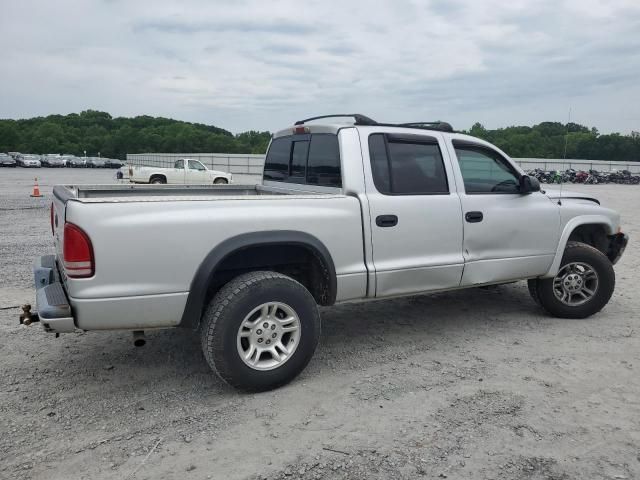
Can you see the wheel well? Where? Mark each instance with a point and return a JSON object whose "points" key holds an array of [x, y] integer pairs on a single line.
{"points": [[157, 175], [592, 234], [297, 261]]}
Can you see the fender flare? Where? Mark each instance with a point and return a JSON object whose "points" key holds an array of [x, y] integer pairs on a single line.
{"points": [[200, 283], [566, 233]]}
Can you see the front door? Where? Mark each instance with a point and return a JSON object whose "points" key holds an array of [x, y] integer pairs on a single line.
{"points": [[197, 173], [416, 221], [507, 235]]}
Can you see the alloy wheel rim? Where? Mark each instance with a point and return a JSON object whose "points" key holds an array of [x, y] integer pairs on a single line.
{"points": [[575, 284], [268, 336]]}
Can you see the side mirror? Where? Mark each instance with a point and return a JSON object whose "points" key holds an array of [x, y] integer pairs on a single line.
{"points": [[529, 184]]}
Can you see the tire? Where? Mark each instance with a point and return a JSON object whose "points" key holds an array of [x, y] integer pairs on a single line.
{"points": [[601, 283], [232, 307], [157, 181], [220, 181]]}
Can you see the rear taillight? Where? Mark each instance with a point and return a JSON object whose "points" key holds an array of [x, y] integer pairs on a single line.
{"points": [[52, 214], [77, 252]]}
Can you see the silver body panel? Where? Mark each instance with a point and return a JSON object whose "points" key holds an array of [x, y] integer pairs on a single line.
{"points": [[149, 241]]}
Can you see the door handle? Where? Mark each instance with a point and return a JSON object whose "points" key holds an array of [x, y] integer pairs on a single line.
{"points": [[473, 217], [386, 220]]}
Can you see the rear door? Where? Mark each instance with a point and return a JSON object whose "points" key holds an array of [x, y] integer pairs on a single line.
{"points": [[416, 218], [507, 235]]}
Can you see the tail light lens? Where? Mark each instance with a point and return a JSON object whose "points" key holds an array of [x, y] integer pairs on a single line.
{"points": [[77, 252], [52, 214]]}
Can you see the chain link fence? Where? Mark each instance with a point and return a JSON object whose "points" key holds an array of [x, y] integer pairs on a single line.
{"points": [[550, 164]]}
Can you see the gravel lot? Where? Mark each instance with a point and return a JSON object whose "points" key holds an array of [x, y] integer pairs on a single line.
{"points": [[477, 384]]}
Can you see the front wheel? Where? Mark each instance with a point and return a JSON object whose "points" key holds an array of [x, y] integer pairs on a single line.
{"points": [[260, 330], [583, 285], [221, 181]]}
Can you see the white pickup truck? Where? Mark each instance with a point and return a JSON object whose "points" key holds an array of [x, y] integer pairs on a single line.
{"points": [[184, 171], [346, 212]]}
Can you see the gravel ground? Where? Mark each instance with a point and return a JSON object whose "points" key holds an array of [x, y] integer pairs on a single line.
{"points": [[476, 384]]}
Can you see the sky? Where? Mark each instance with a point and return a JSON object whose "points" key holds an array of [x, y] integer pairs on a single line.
{"points": [[261, 65]]}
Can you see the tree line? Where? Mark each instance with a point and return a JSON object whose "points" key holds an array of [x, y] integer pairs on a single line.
{"points": [[558, 140], [98, 132]]}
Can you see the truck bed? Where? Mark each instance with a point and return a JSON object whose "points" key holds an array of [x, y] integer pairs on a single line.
{"points": [[165, 193]]}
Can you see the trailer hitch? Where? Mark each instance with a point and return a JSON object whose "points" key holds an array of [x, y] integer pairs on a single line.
{"points": [[26, 317]]}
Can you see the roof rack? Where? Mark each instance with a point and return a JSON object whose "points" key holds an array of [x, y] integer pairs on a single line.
{"points": [[360, 119], [444, 126]]}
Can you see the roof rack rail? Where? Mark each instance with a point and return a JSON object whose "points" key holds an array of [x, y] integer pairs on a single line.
{"points": [[364, 120], [444, 126], [359, 119]]}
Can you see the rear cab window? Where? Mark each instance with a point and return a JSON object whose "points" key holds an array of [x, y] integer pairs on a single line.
{"points": [[310, 159]]}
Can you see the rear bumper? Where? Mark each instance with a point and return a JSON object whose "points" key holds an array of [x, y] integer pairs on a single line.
{"points": [[617, 246], [52, 303]]}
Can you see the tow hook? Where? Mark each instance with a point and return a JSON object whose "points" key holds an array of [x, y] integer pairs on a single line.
{"points": [[26, 317]]}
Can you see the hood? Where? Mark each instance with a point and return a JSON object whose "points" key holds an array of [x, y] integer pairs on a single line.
{"points": [[568, 194]]}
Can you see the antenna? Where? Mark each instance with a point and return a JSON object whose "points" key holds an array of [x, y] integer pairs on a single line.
{"points": [[564, 155]]}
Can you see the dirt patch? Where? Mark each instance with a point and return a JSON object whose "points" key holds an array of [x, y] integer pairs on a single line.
{"points": [[469, 385]]}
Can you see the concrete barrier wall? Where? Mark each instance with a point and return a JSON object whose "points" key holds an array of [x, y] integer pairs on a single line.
{"points": [[247, 168]]}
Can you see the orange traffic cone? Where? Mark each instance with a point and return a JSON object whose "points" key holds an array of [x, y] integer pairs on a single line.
{"points": [[36, 189]]}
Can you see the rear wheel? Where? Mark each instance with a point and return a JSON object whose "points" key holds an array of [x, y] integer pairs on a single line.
{"points": [[260, 330], [583, 285], [158, 181], [221, 181]]}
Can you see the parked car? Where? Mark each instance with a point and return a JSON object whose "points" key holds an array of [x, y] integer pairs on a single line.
{"points": [[112, 163], [95, 162], [345, 213], [185, 170], [29, 161], [76, 162], [53, 161], [6, 160]]}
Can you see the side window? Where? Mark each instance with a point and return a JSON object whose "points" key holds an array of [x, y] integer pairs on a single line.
{"points": [[485, 171], [405, 166], [193, 165], [179, 164], [324, 161], [308, 159]]}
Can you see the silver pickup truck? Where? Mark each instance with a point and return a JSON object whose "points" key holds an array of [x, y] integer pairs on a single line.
{"points": [[346, 212]]}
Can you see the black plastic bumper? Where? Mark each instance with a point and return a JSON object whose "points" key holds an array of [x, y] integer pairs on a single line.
{"points": [[51, 300]]}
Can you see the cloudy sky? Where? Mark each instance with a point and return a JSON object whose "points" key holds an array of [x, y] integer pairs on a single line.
{"points": [[263, 64]]}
